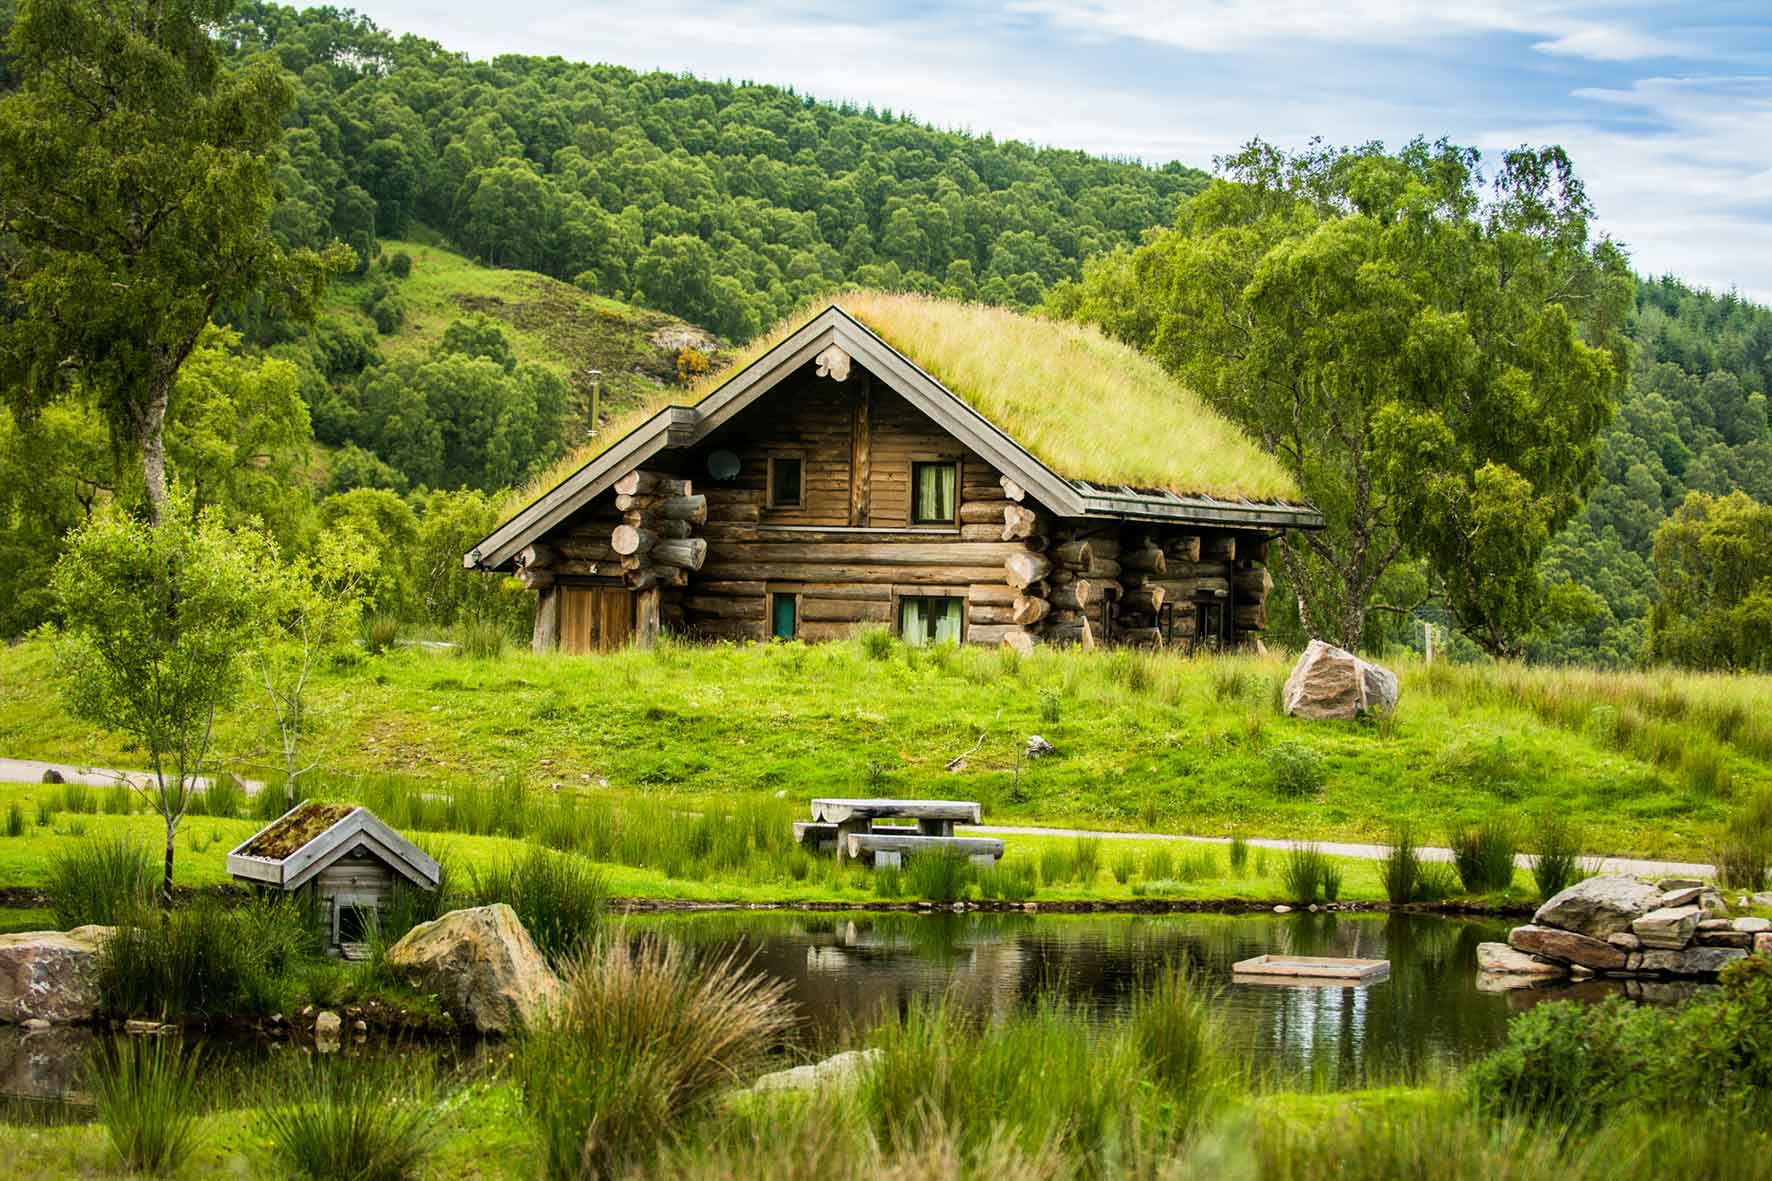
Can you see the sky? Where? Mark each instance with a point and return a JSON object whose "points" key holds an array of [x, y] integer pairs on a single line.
{"points": [[1665, 108]]}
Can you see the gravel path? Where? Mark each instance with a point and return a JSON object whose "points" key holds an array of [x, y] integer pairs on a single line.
{"points": [[31, 771]]}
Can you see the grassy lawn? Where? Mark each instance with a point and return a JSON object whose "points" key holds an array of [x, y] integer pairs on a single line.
{"points": [[1646, 764]]}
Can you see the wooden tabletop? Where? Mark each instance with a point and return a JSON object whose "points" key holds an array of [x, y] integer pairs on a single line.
{"points": [[839, 811]]}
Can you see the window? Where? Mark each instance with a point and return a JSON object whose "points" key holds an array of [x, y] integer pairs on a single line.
{"points": [[924, 619], [784, 615], [354, 920], [784, 482], [934, 491]]}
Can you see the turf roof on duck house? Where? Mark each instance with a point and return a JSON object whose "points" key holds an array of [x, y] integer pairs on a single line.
{"points": [[1088, 426]]}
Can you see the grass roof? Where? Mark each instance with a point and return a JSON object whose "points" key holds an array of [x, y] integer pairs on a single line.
{"points": [[1087, 407], [296, 829]]}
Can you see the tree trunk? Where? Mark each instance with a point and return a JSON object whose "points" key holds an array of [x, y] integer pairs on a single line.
{"points": [[150, 434], [171, 833]]}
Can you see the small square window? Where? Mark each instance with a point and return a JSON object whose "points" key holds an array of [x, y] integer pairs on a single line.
{"points": [[784, 483], [934, 493], [926, 619]]}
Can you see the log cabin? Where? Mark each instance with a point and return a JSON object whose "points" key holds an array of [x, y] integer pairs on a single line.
{"points": [[948, 471]]}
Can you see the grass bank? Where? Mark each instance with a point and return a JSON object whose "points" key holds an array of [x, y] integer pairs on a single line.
{"points": [[1646, 764]]}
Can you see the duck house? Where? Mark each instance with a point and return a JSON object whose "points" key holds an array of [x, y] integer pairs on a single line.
{"points": [[344, 855]]}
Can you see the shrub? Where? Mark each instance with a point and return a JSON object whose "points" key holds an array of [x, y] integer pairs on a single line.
{"points": [[206, 962], [1484, 855], [643, 1041], [1400, 868], [1296, 769], [480, 639], [560, 898], [105, 882], [1301, 876], [876, 642], [938, 877], [338, 1118], [399, 264], [381, 631], [1051, 707], [146, 1093], [1557, 863]]}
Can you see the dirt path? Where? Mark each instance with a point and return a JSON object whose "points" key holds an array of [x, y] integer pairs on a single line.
{"points": [[31, 771]]}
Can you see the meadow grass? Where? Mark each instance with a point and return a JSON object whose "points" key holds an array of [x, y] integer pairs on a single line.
{"points": [[693, 727]]}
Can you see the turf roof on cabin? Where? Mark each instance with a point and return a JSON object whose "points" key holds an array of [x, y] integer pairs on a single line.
{"points": [[1088, 407], [296, 829]]}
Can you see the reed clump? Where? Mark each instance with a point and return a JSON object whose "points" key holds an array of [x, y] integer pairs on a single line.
{"points": [[339, 1118], [145, 1090], [108, 882]]}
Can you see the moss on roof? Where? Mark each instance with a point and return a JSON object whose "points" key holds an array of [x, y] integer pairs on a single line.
{"points": [[1087, 407], [296, 829]]}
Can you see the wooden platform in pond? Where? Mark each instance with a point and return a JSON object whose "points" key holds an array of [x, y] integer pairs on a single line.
{"points": [[1310, 969]]}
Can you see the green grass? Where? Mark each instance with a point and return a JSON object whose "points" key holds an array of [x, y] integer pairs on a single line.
{"points": [[549, 323], [692, 728]]}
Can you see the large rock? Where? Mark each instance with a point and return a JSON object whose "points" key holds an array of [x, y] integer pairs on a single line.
{"points": [[1498, 959], [1329, 682], [1668, 927], [1568, 947], [483, 966], [837, 1070], [50, 975], [1599, 906], [1693, 961]]}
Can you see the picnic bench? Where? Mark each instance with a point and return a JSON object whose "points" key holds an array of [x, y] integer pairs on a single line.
{"points": [[850, 829]]}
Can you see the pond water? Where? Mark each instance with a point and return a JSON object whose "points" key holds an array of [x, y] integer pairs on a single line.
{"points": [[845, 970]]}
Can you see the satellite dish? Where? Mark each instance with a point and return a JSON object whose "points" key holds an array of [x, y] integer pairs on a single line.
{"points": [[722, 465]]}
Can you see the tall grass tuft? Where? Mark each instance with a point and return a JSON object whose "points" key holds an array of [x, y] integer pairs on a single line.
{"points": [[1159, 863], [560, 898], [1239, 855], [78, 798], [1172, 1025], [225, 797], [1400, 868], [380, 632], [109, 882], [644, 1042], [481, 639], [1123, 866], [938, 877], [1556, 864], [15, 819], [205, 961], [1484, 855], [1088, 859], [1744, 848], [1301, 875], [337, 1118], [146, 1093]]}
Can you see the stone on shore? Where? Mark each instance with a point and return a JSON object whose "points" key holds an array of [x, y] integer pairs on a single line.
{"points": [[1763, 943], [1599, 906], [1624, 941], [1753, 926], [1666, 884], [1668, 927], [483, 967], [1330, 682], [50, 975], [1498, 959], [837, 1070], [1567, 947], [1684, 896], [1693, 961]]}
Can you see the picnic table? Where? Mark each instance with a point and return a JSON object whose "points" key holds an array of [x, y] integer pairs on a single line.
{"points": [[848, 827]]}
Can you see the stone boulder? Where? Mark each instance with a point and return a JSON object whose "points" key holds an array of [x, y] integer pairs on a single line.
{"points": [[1599, 906], [1693, 961], [1568, 947], [1329, 682], [483, 967], [1498, 959], [50, 975], [1667, 928], [837, 1070]]}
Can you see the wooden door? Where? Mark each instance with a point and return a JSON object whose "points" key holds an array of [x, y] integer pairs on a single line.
{"points": [[595, 618]]}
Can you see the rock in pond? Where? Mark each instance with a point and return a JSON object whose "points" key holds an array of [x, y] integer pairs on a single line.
{"points": [[1599, 906], [1669, 927], [49, 975], [1568, 947], [1331, 682], [1693, 961], [1498, 959], [483, 966]]}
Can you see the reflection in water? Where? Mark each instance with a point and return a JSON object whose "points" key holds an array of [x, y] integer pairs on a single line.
{"points": [[845, 971]]}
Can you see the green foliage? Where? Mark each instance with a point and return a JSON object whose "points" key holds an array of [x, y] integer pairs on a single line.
{"points": [[1713, 567], [645, 1041], [1177, 1037], [1239, 855], [1296, 770], [107, 882], [1464, 349], [157, 620], [1483, 855], [333, 1117], [1400, 868], [1744, 846], [1304, 872], [147, 1098], [206, 962], [560, 898], [481, 639], [15, 819], [1556, 860], [937, 877]]}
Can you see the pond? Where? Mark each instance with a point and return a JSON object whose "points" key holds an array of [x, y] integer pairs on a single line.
{"points": [[845, 970]]}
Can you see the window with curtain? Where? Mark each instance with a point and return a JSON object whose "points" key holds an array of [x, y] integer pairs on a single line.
{"points": [[934, 493], [929, 619]]}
